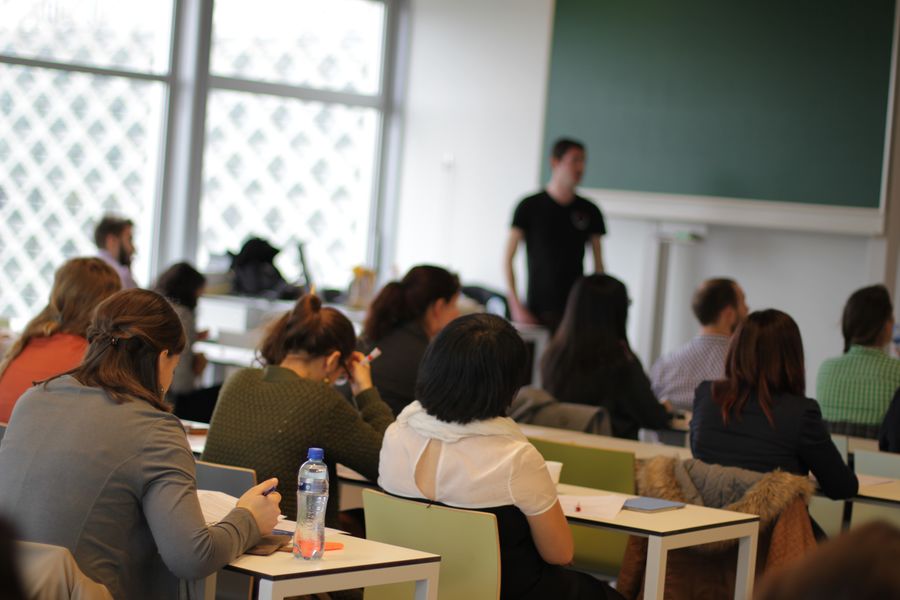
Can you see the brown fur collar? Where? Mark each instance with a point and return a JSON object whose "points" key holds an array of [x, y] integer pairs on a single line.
{"points": [[763, 494]]}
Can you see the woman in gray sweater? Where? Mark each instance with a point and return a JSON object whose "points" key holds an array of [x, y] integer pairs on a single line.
{"points": [[92, 461]]}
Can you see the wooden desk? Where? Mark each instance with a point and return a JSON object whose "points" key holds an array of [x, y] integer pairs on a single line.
{"points": [[640, 450], [669, 530], [360, 563], [883, 494]]}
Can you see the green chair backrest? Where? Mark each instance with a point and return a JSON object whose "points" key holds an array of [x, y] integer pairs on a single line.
{"points": [[596, 551], [467, 541], [879, 464]]}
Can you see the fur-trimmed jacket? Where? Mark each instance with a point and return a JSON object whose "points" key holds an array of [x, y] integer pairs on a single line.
{"points": [[708, 571]]}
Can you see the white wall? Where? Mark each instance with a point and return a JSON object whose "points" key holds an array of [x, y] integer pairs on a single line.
{"points": [[472, 146], [472, 130]]}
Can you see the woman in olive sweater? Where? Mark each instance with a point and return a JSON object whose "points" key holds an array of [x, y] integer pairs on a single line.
{"points": [[266, 419]]}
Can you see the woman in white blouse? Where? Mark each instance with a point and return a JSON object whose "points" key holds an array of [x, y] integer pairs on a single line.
{"points": [[454, 445]]}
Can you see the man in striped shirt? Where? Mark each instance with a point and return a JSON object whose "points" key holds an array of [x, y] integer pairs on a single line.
{"points": [[720, 307]]}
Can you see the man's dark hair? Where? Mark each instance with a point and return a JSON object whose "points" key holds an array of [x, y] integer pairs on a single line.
{"points": [[563, 145], [866, 312], [711, 298], [472, 369], [110, 225]]}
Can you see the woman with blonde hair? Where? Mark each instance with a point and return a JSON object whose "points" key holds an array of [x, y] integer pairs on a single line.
{"points": [[55, 340]]}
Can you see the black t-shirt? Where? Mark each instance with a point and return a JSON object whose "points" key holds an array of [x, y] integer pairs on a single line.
{"points": [[555, 236]]}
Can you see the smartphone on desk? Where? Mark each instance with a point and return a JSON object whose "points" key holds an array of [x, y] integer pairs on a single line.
{"points": [[651, 505]]}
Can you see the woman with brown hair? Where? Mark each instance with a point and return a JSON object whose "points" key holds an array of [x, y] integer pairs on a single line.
{"points": [[93, 461], [54, 341], [758, 417], [402, 319], [266, 419]]}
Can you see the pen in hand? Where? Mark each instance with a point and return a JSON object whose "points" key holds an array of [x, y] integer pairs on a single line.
{"points": [[375, 353], [270, 490]]}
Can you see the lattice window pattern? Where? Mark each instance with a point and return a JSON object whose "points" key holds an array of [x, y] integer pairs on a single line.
{"points": [[334, 45], [76, 146], [289, 171]]}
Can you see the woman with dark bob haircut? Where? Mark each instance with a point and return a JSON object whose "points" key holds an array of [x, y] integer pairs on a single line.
{"points": [[759, 417], [402, 319], [589, 360], [93, 461], [855, 389], [437, 450]]}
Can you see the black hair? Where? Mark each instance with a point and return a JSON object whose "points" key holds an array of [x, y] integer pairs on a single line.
{"points": [[110, 225], [181, 283], [865, 314], [714, 296], [563, 145], [472, 369], [591, 336]]}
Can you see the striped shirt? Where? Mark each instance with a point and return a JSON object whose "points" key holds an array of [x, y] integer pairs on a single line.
{"points": [[675, 376], [858, 386]]}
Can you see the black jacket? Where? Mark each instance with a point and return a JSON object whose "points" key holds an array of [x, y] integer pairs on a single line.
{"points": [[798, 443]]}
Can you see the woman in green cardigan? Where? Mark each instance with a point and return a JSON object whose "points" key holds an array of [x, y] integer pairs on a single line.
{"points": [[266, 419]]}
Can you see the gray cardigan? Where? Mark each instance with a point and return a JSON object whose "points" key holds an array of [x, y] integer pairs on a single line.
{"points": [[115, 484]]}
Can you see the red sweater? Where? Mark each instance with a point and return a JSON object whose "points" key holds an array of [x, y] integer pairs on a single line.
{"points": [[42, 358]]}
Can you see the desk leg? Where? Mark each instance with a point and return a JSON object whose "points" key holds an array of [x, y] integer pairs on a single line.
{"points": [[426, 589], [655, 575], [746, 567]]}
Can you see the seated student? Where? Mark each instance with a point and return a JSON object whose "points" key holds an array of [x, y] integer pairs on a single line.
{"points": [[182, 285], [401, 320], [855, 389], [758, 417], [889, 433], [589, 361], [437, 448], [719, 307], [93, 461], [266, 419], [54, 341]]}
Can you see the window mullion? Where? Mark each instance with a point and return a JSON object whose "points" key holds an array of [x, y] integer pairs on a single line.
{"points": [[178, 211]]}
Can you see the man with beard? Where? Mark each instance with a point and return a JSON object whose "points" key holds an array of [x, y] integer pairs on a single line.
{"points": [[720, 307], [115, 244]]}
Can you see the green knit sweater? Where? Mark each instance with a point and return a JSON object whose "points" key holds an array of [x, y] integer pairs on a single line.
{"points": [[266, 419]]}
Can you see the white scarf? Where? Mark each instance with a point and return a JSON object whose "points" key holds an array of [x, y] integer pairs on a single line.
{"points": [[415, 417]]}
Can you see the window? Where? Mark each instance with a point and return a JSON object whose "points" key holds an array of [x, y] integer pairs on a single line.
{"points": [[292, 130], [293, 124], [77, 143]]}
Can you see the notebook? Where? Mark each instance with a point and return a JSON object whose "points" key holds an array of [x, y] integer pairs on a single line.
{"points": [[645, 504]]}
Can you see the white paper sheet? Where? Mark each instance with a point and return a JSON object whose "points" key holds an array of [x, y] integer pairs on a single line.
{"points": [[605, 506]]}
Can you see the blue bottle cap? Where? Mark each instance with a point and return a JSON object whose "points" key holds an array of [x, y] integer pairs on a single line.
{"points": [[315, 454]]}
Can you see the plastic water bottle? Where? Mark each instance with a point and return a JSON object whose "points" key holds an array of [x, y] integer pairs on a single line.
{"points": [[312, 498]]}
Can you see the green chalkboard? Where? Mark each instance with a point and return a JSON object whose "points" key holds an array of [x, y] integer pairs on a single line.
{"points": [[772, 100]]}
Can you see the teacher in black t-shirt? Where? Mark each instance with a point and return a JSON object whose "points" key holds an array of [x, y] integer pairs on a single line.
{"points": [[555, 224]]}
